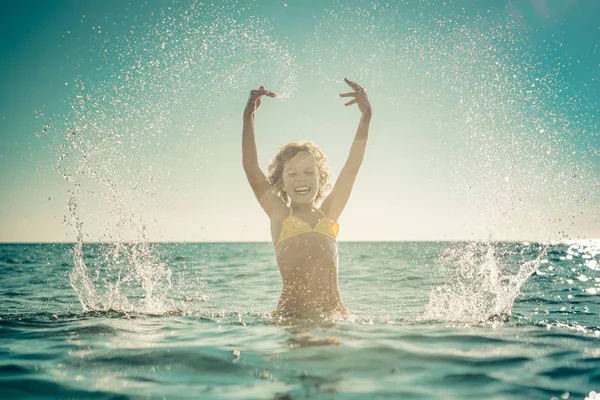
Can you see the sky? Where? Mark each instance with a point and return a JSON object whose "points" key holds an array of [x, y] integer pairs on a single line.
{"points": [[122, 121]]}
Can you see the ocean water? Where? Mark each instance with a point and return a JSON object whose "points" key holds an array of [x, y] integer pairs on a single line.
{"points": [[430, 320], [496, 107]]}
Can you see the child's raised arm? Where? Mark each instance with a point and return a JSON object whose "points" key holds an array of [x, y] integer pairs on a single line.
{"points": [[334, 204], [267, 198]]}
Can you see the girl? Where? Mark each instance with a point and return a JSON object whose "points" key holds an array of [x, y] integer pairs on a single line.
{"points": [[303, 233]]}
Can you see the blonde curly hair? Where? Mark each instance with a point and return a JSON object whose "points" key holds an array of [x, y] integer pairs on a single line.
{"points": [[275, 172]]}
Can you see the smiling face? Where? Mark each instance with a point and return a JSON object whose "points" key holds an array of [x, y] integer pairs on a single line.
{"points": [[301, 178]]}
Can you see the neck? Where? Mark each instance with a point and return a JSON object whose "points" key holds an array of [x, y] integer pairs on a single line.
{"points": [[303, 208]]}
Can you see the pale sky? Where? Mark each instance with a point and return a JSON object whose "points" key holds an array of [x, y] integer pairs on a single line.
{"points": [[485, 116]]}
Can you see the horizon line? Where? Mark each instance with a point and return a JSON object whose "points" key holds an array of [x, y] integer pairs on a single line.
{"points": [[345, 241]]}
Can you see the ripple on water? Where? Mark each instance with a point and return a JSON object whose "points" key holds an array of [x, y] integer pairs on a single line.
{"points": [[15, 369], [18, 388], [566, 373]]}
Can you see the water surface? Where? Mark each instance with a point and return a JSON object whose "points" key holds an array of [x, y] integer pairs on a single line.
{"points": [[199, 326]]}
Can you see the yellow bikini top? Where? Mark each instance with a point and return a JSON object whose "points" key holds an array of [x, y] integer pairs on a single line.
{"points": [[294, 226]]}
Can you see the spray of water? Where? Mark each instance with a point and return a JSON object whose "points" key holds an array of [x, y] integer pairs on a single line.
{"points": [[481, 281], [513, 137], [504, 126], [507, 137], [153, 78]]}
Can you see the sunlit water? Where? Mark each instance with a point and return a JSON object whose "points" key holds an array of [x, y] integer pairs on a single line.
{"points": [[203, 330]]}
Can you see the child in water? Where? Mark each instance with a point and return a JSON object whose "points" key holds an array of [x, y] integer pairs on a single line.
{"points": [[303, 228]]}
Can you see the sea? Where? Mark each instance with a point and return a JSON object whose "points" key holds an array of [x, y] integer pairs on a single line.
{"points": [[428, 320]]}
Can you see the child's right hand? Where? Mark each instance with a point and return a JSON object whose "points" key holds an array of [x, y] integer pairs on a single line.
{"points": [[255, 100]]}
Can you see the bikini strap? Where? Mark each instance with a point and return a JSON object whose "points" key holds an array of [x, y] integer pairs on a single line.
{"points": [[321, 211]]}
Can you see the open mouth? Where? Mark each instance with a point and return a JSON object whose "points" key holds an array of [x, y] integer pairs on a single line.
{"points": [[301, 190]]}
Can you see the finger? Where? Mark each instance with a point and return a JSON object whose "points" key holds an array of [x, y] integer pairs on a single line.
{"points": [[265, 92], [353, 94], [262, 92], [351, 102], [258, 102], [354, 85], [351, 84], [357, 86]]}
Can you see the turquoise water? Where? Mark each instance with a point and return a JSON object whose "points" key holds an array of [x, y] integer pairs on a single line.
{"points": [[429, 320], [486, 126]]}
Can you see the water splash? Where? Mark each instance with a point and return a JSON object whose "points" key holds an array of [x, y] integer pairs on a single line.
{"points": [[133, 119], [506, 131], [511, 149], [126, 277], [481, 282]]}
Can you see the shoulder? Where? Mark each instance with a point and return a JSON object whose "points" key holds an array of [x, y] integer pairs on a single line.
{"points": [[271, 202]]}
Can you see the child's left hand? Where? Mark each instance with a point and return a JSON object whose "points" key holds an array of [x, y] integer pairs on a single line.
{"points": [[360, 97]]}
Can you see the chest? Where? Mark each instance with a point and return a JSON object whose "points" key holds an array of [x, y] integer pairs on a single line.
{"points": [[307, 251], [293, 226]]}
